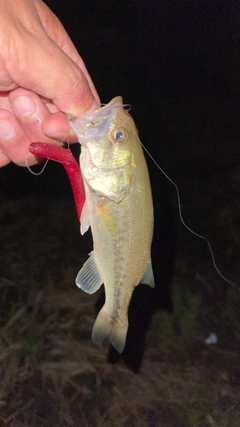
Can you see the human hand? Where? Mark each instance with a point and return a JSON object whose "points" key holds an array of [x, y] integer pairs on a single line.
{"points": [[42, 76]]}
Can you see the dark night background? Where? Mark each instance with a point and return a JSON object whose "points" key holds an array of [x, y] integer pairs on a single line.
{"points": [[178, 64]]}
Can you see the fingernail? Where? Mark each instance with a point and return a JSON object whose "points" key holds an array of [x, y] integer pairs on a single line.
{"points": [[24, 106], [7, 130]]}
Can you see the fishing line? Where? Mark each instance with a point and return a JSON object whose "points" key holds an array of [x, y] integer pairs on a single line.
{"points": [[36, 173], [180, 213], [46, 162]]}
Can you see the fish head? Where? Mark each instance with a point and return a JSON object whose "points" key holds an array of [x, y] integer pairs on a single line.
{"points": [[106, 158]]}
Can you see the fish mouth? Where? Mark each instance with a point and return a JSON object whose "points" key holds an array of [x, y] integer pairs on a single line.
{"points": [[95, 124]]}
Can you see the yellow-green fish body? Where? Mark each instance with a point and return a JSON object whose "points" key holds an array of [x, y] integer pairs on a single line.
{"points": [[119, 210]]}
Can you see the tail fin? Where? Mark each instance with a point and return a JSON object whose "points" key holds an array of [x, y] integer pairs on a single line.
{"points": [[105, 328]]}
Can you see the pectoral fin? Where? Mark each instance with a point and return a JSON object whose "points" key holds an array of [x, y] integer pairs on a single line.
{"points": [[88, 278], [148, 278]]}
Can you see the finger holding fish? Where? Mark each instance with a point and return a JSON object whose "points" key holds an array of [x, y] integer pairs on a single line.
{"points": [[22, 113], [25, 117]]}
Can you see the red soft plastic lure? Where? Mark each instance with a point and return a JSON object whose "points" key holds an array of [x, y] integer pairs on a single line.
{"points": [[66, 158]]}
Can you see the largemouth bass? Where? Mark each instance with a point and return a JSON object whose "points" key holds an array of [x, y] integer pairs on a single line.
{"points": [[119, 209]]}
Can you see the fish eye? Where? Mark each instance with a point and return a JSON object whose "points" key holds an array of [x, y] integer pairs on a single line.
{"points": [[120, 135]]}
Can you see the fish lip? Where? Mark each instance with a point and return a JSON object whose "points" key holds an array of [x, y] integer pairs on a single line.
{"points": [[92, 120]]}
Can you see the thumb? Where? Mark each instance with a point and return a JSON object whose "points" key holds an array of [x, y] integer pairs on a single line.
{"points": [[52, 74], [43, 59]]}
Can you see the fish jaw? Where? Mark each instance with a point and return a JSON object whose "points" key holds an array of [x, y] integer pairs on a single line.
{"points": [[95, 122], [113, 183]]}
